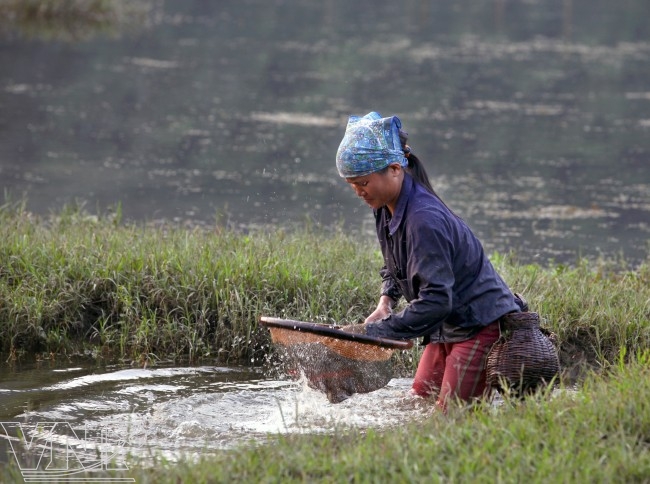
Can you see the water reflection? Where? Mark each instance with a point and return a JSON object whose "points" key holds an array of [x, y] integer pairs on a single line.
{"points": [[532, 116]]}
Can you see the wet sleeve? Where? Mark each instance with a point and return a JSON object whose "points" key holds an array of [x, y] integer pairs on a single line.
{"points": [[388, 285], [430, 269]]}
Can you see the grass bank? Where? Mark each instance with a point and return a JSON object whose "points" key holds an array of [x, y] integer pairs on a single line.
{"points": [[75, 283]]}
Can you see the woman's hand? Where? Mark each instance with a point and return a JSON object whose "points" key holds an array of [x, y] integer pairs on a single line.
{"points": [[384, 309]]}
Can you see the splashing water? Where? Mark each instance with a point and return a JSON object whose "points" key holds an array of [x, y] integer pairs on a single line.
{"points": [[186, 411]]}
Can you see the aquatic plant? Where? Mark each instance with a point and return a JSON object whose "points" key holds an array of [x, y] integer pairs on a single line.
{"points": [[69, 20]]}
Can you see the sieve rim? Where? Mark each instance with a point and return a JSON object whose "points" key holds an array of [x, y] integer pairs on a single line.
{"points": [[334, 332]]}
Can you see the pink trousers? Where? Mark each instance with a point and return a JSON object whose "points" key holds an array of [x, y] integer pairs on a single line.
{"points": [[455, 370]]}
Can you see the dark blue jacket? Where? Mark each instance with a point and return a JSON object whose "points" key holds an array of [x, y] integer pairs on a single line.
{"points": [[433, 259]]}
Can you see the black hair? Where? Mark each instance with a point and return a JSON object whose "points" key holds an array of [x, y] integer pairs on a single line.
{"points": [[416, 168], [417, 171]]}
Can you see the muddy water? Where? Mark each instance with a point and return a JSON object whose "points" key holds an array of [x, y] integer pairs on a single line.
{"points": [[187, 410]]}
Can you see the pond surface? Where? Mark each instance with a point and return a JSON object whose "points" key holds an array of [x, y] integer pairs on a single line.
{"points": [[178, 411], [532, 116]]}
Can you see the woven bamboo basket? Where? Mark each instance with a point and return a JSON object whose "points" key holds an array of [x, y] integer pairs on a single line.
{"points": [[353, 350], [333, 361], [524, 358]]}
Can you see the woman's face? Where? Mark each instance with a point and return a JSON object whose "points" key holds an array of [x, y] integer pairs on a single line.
{"points": [[379, 189]]}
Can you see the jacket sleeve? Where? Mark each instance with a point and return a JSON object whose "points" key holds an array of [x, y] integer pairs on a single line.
{"points": [[388, 285], [430, 273]]}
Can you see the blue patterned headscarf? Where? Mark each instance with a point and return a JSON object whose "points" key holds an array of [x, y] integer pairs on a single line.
{"points": [[370, 144]]}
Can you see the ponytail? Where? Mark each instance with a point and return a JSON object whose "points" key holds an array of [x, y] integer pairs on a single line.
{"points": [[416, 169]]}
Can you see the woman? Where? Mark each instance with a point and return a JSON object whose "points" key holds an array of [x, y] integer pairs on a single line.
{"points": [[431, 258]]}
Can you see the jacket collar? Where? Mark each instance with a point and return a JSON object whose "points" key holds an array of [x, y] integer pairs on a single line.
{"points": [[402, 202]]}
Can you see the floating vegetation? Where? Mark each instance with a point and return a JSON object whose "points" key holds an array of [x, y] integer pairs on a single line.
{"points": [[300, 119], [69, 20]]}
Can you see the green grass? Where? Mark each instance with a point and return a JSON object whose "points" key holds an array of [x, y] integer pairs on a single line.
{"points": [[75, 283], [594, 308]]}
